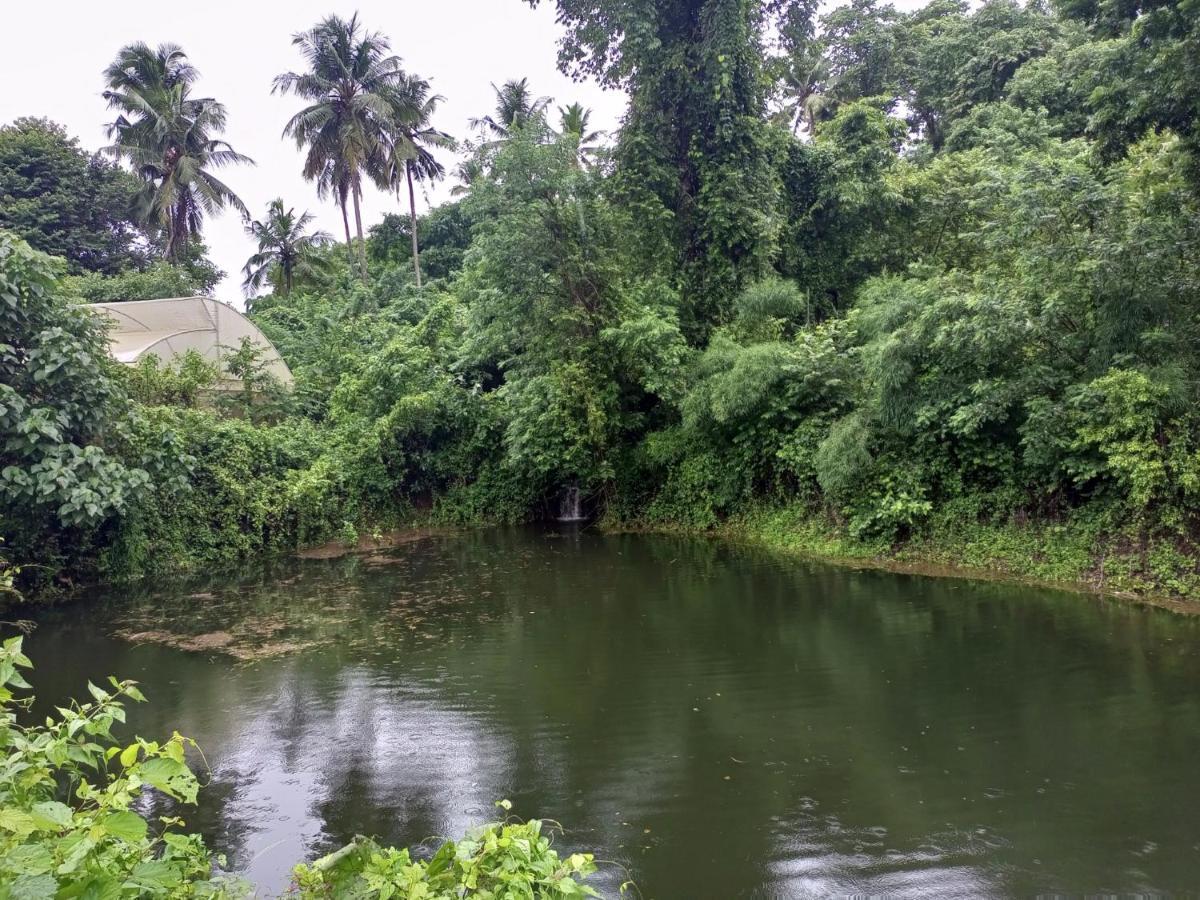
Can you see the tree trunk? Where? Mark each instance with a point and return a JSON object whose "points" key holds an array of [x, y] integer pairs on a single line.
{"points": [[362, 244], [176, 233], [346, 225], [412, 212]]}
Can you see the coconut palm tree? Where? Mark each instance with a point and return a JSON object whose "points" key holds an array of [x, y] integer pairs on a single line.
{"points": [[516, 107], [411, 141], [285, 248], [168, 137], [469, 170], [804, 87], [349, 82], [573, 121]]}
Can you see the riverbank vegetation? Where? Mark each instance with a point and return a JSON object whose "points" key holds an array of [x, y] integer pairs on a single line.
{"points": [[879, 283]]}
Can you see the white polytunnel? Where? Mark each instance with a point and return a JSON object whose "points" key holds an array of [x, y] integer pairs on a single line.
{"points": [[171, 327]]}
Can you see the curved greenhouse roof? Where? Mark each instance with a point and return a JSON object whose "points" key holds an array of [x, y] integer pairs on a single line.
{"points": [[169, 328]]}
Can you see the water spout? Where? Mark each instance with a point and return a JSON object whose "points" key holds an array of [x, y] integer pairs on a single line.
{"points": [[570, 505]]}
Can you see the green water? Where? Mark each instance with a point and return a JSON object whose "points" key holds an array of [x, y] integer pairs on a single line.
{"points": [[716, 722]]}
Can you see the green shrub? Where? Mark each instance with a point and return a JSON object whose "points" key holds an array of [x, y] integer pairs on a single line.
{"points": [[499, 859], [181, 382], [62, 416], [69, 790]]}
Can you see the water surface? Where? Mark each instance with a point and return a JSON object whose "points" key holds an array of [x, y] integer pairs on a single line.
{"points": [[715, 721]]}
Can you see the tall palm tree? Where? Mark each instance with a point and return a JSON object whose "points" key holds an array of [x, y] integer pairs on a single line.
{"points": [[470, 170], [349, 82], [285, 248], [516, 107], [804, 86], [168, 138], [573, 121], [411, 140]]}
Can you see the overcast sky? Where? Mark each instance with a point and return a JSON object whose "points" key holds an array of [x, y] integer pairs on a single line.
{"points": [[52, 53]]}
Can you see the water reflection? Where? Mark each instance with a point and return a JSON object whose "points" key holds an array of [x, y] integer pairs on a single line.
{"points": [[717, 721]]}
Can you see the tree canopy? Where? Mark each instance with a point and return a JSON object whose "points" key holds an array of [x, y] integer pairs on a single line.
{"points": [[67, 202]]}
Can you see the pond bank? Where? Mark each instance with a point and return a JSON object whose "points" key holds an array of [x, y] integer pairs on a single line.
{"points": [[1073, 556], [1069, 556]]}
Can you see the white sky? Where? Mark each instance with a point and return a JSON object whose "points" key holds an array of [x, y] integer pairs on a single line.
{"points": [[52, 53]]}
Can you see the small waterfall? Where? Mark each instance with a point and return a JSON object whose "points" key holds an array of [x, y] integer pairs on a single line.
{"points": [[570, 504]]}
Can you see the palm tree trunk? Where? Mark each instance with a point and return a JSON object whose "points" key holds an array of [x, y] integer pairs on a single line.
{"points": [[412, 212], [176, 232], [346, 225], [362, 244]]}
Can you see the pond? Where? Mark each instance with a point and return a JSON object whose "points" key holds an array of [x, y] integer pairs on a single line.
{"points": [[712, 720]]}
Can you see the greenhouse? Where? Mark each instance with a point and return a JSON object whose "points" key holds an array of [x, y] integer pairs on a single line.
{"points": [[170, 328]]}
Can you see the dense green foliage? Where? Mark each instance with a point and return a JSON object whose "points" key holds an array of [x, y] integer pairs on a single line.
{"points": [[65, 202], [69, 827], [193, 277], [61, 414], [693, 155], [511, 859], [82, 817], [900, 274]]}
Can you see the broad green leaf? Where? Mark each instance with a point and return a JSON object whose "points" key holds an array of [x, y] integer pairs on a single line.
{"points": [[126, 825], [33, 887], [29, 859], [156, 874], [97, 887], [17, 821], [51, 815], [171, 777], [80, 847]]}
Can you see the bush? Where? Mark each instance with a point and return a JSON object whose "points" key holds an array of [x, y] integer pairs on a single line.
{"points": [[62, 414], [70, 825], [499, 859], [179, 383], [256, 489]]}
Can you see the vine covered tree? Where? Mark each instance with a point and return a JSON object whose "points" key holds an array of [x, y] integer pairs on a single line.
{"points": [[693, 156]]}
